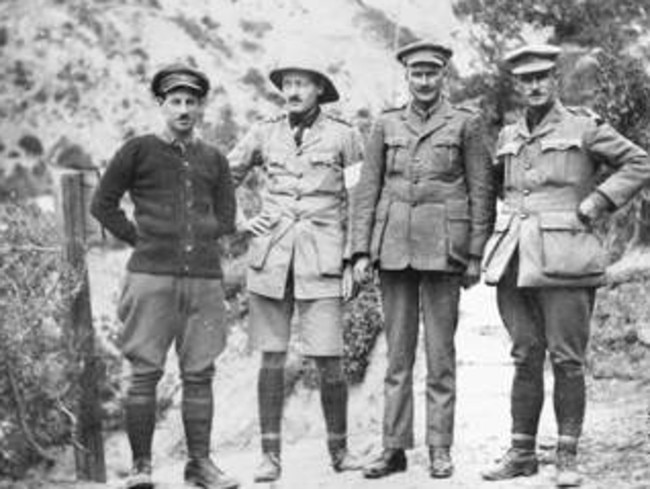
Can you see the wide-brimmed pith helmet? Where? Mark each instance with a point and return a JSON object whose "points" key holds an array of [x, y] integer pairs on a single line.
{"points": [[300, 62]]}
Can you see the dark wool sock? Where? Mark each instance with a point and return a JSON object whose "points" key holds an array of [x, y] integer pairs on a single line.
{"points": [[334, 401], [140, 413], [197, 412], [140, 418], [567, 444], [270, 396]]}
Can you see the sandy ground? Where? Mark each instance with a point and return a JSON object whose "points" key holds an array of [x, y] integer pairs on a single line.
{"points": [[615, 454]]}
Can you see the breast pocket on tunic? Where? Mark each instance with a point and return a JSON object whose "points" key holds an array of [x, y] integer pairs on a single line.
{"points": [[276, 167], [445, 157], [563, 161], [326, 172], [277, 172]]}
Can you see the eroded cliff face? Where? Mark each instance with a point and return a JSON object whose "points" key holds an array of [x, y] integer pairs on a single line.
{"points": [[79, 69]]}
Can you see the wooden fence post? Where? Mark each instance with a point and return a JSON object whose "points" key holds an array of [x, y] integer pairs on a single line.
{"points": [[89, 445]]}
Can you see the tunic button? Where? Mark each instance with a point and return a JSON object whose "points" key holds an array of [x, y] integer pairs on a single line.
{"points": [[526, 191], [414, 204], [189, 248], [523, 215], [186, 164]]}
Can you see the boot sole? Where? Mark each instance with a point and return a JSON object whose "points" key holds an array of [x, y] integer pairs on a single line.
{"points": [[526, 472], [441, 475], [265, 479], [568, 484], [234, 485], [338, 470], [379, 475], [140, 485]]}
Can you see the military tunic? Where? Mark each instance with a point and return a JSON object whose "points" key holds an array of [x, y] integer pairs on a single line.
{"points": [[546, 175], [304, 194], [425, 196], [545, 262], [423, 207]]}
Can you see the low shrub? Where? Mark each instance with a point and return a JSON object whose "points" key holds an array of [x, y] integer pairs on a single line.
{"points": [[39, 360], [363, 323], [617, 349]]}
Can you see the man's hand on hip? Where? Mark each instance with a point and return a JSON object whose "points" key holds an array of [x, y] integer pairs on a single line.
{"points": [[257, 225], [593, 207]]}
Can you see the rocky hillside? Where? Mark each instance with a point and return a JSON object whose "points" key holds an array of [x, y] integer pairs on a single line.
{"points": [[78, 69]]}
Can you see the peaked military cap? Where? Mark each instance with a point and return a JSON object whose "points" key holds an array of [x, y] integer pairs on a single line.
{"points": [[424, 52], [532, 58], [178, 75], [306, 62]]}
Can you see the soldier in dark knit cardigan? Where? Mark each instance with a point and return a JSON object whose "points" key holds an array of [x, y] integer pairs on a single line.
{"points": [[184, 200]]}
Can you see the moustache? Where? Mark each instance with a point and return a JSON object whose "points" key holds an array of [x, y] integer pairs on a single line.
{"points": [[295, 98]]}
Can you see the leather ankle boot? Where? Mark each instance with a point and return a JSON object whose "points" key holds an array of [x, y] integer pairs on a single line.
{"points": [[440, 466], [269, 468], [516, 462], [390, 461]]}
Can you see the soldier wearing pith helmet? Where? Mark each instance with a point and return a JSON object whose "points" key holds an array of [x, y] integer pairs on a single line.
{"points": [[543, 256], [423, 211], [299, 251]]}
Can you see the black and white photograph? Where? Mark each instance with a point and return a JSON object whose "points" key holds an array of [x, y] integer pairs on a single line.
{"points": [[324, 244]]}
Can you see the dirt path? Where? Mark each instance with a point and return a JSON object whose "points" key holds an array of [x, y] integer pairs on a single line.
{"points": [[615, 449]]}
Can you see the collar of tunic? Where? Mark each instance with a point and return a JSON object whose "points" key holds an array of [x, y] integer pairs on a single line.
{"points": [[545, 126]]}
